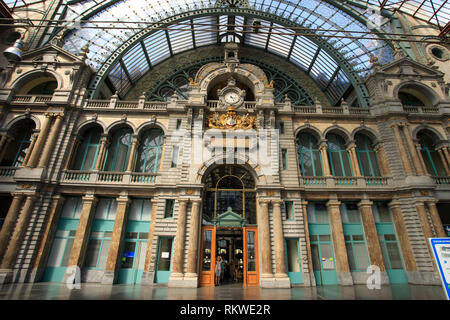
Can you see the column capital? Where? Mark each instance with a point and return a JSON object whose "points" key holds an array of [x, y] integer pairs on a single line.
{"points": [[365, 203], [277, 202], [351, 144], [123, 199], [196, 201], [394, 204], [333, 203], [183, 200], [89, 198], [263, 202], [154, 200]]}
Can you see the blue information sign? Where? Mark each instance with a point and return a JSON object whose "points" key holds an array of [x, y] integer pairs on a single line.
{"points": [[447, 229], [441, 253]]}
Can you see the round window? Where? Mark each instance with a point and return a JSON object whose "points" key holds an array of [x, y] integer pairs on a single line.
{"points": [[439, 53]]}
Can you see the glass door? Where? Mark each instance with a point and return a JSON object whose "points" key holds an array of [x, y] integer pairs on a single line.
{"points": [[133, 257], [164, 263], [293, 267], [251, 269], [323, 259], [207, 256]]}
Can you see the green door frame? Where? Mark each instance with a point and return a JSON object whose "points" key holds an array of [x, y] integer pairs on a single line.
{"points": [[295, 277], [163, 276]]}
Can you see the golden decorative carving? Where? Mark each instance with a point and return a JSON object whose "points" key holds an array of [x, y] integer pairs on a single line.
{"points": [[231, 120], [192, 82], [270, 85]]}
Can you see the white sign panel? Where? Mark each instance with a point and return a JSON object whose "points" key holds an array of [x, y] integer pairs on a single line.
{"points": [[441, 253]]}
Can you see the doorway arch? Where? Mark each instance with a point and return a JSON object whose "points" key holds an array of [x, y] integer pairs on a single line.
{"points": [[229, 227]]}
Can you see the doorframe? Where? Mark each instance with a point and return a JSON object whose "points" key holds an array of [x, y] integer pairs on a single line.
{"points": [[204, 275], [248, 274], [158, 255]]}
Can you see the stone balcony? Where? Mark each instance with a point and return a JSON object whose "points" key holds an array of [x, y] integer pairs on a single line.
{"points": [[316, 183], [77, 177]]}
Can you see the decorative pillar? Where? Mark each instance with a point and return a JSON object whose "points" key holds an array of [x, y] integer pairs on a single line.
{"points": [[422, 162], [412, 151], [370, 231], [16, 239], [264, 235], [402, 150], [325, 163], [436, 219], [148, 256], [444, 161], [34, 137], [178, 252], [381, 155], [120, 224], [101, 153], [4, 143], [132, 158], [340, 251], [447, 155], [191, 269], [402, 233], [307, 239], [280, 255], [422, 212], [83, 231], [354, 159], [76, 141], [34, 157], [49, 146], [10, 222], [47, 238]]}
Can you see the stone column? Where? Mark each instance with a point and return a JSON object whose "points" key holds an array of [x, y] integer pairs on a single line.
{"points": [[444, 161], [370, 231], [436, 219], [340, 251], [4, 143], [280, 254], [34, 137], [308, 242], [412, 151], [422, 212], [49, 146], [120, 224], [34, 157], [402, 233], [422, 162], [325, 163], [132, 158], [354, 159], [10, 222], [83, 231], [264, 236], [47, 238], [402, 150], [76, 140], [16, 239], [191, 269], [147, 277], [101, 153], [447, 155], [381, 155], [178, 252]]}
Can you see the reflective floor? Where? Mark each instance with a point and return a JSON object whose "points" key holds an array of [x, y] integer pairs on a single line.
{"points": [[59, 291]]}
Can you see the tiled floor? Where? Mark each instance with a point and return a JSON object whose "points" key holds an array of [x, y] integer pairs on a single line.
{"points": [[59, 291]]}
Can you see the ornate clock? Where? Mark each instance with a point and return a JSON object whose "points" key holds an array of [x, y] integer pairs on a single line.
{"points": [[231, 95]]}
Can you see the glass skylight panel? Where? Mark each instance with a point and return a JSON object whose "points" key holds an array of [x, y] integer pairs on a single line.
{"points": [[202, 36], [338, 86], [180, 38], [135, 62], [119, 79], [303, 52], [258, 39], [323, 68], [157, 46], [281, 44]]}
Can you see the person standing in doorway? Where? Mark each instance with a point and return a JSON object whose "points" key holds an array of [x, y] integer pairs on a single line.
{"points": [[218, 270]]}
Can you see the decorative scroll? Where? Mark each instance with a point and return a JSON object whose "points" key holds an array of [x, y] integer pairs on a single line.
{"points": [[231, 120]]}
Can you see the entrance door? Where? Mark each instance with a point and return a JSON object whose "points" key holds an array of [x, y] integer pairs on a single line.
{"points": [[292, 250], [133, 257], [323, 259], [164, 263], [207, 256], [251, 269]]}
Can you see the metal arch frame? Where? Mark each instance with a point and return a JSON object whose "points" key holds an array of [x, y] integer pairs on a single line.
{"points": [[103, 72], [303, 94]]}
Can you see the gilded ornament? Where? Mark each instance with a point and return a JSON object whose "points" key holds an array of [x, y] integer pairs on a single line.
{"points": [[231, 120]]}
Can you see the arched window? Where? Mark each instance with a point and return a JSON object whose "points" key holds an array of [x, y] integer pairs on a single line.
{"points": [[117, 154], [309, 157], [367, 157], [338, 156], [87, 152], [149, 152], [430, 155], [18, 147]]}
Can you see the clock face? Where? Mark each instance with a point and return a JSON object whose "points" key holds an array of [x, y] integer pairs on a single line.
{"points": [[231, 97]]}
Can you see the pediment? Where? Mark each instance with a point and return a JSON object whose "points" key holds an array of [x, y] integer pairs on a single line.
{"points": [[50, 54], [406, 66], [229, 218]]}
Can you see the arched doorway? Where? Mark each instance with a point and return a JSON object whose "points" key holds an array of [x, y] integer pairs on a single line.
{"points": [[229, 226]]}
